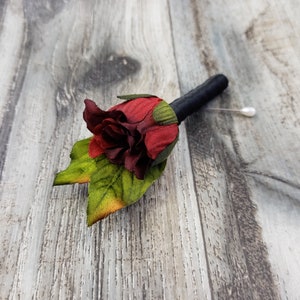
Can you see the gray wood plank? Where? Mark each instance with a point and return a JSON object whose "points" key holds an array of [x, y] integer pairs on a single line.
{"points": [[245, 169], [64, 52]]}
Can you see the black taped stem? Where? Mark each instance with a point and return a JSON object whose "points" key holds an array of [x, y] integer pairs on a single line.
{"points": [[198, 97]]}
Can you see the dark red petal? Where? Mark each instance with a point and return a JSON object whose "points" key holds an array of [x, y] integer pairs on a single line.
{"points": [[131, 141], [114, 130], [137, 163], [94, 148], [145, 124], [94, 116], [115, 155], [105, 143], [137, 109], [159, 137], [131, 160], [140, 170]]}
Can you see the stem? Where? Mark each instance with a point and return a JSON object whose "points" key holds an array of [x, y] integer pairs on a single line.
{"points": [[196, 98]]}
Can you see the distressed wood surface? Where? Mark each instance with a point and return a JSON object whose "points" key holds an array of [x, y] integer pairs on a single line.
{"points": [[223, 221]]}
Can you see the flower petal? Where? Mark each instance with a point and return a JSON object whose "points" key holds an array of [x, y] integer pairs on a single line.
{"points": [[158, 138], [93, 115], [116, 155], [138, 164], [95, 148], [137, 109]]}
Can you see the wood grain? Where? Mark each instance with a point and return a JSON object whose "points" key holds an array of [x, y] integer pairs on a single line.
{"points": [[232, 155], [223, 220]]}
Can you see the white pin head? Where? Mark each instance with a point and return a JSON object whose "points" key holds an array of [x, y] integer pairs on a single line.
{"points": [[248, 111]]}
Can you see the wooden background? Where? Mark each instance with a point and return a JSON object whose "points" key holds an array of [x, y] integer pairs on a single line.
{"points": [[223, 222]]}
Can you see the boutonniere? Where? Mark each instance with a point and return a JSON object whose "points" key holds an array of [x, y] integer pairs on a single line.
{"points": [[129, 147]]}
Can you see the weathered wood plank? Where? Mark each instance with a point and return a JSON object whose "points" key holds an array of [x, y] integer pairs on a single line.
{"points": [[241, 164], [223, 221], [153, 249]]}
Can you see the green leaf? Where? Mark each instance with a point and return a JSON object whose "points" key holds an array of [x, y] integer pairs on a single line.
{"points": [[81, 167], [163, 114], [113, 187], [134, 96]]}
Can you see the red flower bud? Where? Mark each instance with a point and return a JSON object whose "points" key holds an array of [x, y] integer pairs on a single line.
{"points": [[128, 134]]}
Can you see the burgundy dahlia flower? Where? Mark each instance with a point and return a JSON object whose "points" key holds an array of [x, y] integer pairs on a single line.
{"points": [[130, 133]]}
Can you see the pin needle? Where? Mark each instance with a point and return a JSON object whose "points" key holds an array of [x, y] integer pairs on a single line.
{"points": [[245, 111]]}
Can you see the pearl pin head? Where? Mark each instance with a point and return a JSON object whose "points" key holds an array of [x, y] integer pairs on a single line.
{"points": [[248, 111]]}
